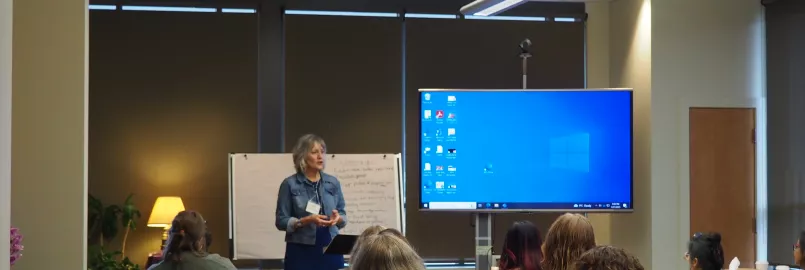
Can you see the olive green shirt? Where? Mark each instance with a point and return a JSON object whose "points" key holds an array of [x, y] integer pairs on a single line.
{"points": [[191, 261]]}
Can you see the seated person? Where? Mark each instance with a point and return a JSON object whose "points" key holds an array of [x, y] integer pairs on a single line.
{"points": [[371, 231], [387, 250], [186, 246], [569, 236], [705, 252], [799, 255], [606, 258], [521, 248]]}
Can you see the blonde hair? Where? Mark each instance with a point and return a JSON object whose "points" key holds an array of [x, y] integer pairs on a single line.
{"points": [[569, 236], [386, 251], [368, 232], [303, 146]]}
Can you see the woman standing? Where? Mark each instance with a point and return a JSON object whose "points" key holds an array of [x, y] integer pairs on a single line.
{"points": [[304, 202]]}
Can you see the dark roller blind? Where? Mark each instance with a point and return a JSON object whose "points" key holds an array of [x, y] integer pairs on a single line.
{"points": [[478, 54], [785, 64], [344, 82], [170, 95]]}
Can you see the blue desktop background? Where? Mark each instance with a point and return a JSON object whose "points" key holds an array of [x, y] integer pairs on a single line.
{"points": [[527, 146]]}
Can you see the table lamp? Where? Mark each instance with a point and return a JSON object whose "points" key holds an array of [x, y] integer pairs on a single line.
{"points": [[165, 210]]}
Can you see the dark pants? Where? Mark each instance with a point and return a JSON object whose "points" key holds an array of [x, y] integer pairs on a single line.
{"points": [[312, 257]]}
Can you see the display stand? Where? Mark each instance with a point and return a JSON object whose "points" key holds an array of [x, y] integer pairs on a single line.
{"points": [[483, 241]]}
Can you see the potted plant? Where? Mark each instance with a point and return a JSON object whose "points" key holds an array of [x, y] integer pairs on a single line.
{"points": [[104, 223]]}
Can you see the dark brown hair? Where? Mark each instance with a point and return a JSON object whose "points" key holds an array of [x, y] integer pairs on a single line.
{"points": [[521, 248], [606, 258], [705, 249], [187, 234], [569, 236]]}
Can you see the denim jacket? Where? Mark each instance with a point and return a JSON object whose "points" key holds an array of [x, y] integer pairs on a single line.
{"points": [[295, 192]]}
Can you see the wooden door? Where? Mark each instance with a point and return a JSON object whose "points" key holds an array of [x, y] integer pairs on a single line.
{"points": [[722, 178]]}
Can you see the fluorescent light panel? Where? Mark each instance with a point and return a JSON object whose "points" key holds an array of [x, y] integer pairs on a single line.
{"points": [[564, 19], [169, 9], [507, 18], [102, 7], [340, 13], [499, 7], [238, 10], [430, 16]]}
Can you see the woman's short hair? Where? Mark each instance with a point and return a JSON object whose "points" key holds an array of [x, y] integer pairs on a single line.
{"points": [[705, 249], [386, 251], [186, 234], [303, 146], [569, 236], [521, 248], [606, 258]]}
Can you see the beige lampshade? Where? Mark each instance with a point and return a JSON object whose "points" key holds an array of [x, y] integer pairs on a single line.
{"points": [[165, 210]]}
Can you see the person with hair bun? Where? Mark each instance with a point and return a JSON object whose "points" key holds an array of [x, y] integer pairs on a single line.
{"points": [[799, 255], [186, 248], [705, 252], [521, 248]]}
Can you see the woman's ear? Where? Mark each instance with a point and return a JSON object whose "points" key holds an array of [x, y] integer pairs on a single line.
{"points": [[694, 263]]}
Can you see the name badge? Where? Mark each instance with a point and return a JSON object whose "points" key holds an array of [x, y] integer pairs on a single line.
{"points": [[313, 208]]}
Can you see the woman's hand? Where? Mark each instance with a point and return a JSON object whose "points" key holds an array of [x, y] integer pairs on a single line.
{"points": [[334, 219], [319, 220]]}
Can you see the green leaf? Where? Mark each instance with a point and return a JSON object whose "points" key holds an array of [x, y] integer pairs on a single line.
{"points": [[109, 223], [129, 213]]}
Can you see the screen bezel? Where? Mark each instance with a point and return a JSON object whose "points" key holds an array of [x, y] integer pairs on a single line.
{"points": [[543, 210]]}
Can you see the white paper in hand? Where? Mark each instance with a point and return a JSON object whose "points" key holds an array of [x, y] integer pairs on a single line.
{"points": [[735, 263]]}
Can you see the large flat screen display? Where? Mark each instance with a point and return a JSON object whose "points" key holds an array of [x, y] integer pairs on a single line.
{"points": [[526, 150]]}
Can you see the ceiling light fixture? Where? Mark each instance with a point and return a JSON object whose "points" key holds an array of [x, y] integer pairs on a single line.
{"points": [[489, 7]]}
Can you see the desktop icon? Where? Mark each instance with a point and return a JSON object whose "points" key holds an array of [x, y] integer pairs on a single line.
{"points": [[451, 169], [451, 98], [451, 116], [438, 132], [427, 114], [439, 168], [439, 185], [439, 114], [427, 166], [427, 96], [451, 151], [488, 168], [451, 132], [439, 149], [427, 150]]}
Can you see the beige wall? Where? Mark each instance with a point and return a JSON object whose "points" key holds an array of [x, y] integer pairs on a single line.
{"points": [[631, 66], [676, 54], [598, 77], [706, 54], [5, 126], [48, 132]]}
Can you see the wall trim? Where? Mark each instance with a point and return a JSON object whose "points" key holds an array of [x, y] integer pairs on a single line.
{"points": [[6, 29]]}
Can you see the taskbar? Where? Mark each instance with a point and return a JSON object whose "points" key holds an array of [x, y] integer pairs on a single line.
{"points": [[520, 205]]}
